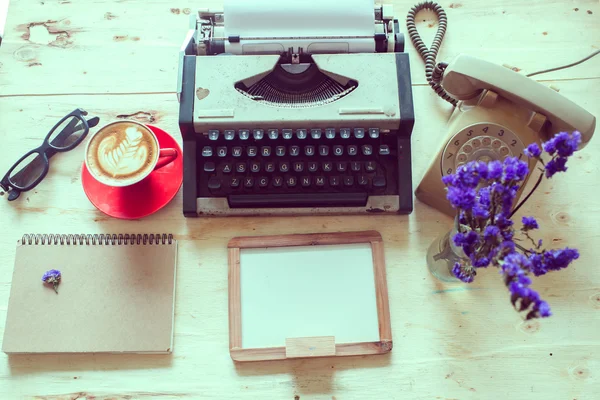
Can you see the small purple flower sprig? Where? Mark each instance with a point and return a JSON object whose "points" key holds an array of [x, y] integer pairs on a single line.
{"points": [[52, 277], [484, 194]]}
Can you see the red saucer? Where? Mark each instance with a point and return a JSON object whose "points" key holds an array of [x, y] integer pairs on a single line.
{"points": [[143, 198]]}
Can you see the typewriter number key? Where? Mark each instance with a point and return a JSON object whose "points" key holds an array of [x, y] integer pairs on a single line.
{"points": [[244, 134], [273, 133], [359, 133], [315, 133], [258, 134], [345, 133], [301, 133], [374, 133], [287, 133], [330, 133], [213, 134], [229, 134]]}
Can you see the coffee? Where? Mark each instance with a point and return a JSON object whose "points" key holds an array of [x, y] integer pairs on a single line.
{"points": [[122, 153]]}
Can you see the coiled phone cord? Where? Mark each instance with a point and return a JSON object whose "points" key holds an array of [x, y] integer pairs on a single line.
{"points": [[433, 72]]}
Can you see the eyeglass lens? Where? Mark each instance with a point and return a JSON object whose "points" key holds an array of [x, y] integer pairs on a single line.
{"points": [[27, 171], [67, 133]]}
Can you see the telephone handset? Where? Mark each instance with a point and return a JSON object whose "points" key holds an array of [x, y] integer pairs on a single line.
{"points": [[500, 112]]}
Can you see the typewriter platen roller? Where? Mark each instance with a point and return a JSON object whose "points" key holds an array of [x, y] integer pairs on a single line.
{"points": [[295, 108]]}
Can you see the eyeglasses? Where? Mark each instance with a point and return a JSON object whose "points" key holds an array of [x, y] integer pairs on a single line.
{"points": [[30, 169]]}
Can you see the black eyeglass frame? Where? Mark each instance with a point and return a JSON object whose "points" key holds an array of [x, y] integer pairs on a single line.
{"points": [[48, 149]]}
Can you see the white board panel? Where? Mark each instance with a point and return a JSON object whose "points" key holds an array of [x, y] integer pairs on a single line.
{"points": [[324, 290]]}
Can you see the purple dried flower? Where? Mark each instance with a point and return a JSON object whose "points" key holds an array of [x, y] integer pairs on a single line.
{"points": [[551, 260], [461, 198], [52, 277], [533, 150], [495, 170], [522, 297], [563, 144], [491, 231], [529, 223], [464, 273], [514, 169], [558, 164]]}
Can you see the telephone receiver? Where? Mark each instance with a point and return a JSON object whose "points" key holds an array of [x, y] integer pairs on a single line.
{"points": [[499, 113]]}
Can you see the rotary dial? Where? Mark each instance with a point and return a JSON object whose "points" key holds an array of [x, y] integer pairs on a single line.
{"points": [[483, 142]]}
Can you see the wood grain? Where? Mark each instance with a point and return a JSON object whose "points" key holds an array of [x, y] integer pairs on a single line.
{"points": [[465, 339], [381, 292], [306, 347], [313, 239], [235, 307]]}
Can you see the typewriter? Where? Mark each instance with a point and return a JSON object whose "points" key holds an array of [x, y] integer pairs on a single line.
{"points": [[295, 107]]}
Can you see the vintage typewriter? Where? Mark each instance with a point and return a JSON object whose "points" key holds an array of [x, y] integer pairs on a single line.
{"points": [[295, 107]]}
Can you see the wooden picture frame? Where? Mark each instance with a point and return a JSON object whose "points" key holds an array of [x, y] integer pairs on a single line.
{"points": [[313, 346]]}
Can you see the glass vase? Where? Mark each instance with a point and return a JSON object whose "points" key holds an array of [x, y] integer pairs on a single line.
{"points": [[443, 254]]}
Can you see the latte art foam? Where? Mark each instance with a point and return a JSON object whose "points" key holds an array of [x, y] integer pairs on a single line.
{"points": [[121, 153]]}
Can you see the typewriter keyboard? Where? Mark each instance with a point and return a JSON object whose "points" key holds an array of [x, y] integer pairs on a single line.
{"points": [[303, 167]]}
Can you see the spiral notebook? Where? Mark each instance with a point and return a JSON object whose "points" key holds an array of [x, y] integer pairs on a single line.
{"points": [[116, 295]]}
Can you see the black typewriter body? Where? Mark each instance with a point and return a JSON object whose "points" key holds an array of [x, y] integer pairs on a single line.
{"points": [[301, 169]]}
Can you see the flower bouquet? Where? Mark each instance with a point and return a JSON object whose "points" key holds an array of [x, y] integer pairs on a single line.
{"points": [[483, 194]]}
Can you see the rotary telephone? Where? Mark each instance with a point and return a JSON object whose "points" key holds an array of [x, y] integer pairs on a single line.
{"points": [[498, 113]]}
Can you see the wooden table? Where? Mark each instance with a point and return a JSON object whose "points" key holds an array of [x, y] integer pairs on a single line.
{"points": [[451, 341]]}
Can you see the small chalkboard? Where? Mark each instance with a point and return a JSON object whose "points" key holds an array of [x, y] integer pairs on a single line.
{"points": [[308, 295]]}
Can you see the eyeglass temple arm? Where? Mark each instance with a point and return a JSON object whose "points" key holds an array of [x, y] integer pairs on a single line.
{"points": [[67, 130]]}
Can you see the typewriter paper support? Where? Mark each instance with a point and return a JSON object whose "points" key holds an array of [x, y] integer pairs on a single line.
{"points": [[295, 120]]}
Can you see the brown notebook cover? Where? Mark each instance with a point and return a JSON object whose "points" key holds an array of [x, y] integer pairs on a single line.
{"points": [[116, 295]]}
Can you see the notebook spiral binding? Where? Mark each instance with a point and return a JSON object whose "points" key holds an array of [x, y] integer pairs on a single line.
{"points": [[96, 239]]}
